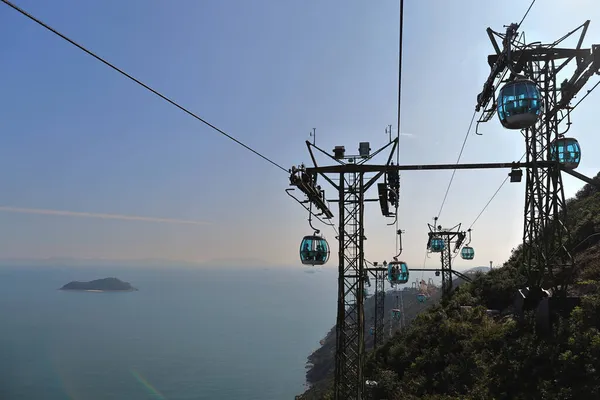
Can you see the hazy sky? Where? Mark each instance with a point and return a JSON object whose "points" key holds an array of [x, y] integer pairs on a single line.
{"points": [[78, 137]]}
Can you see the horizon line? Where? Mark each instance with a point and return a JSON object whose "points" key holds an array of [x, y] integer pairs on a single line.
{"points": [[80, 214]]}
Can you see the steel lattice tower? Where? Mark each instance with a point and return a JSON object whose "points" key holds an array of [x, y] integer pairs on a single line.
{"points": [[379, 322], [350, 320], [547, 261], [446, 259], [545, 236], [449, 237], [350, 327]]}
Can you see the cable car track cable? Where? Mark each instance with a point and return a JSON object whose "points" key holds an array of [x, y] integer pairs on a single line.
{"points": [[492, 198], [469, 130], [526, 12], [102, 60], [398, 117], [457, 161]]}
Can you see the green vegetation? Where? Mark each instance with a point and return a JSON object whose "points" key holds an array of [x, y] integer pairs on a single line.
{"points": [[450, 352]]}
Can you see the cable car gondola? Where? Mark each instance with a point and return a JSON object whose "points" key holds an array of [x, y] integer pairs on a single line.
{"points": [[396, 313], [437, 244], [421, 297], [397, 272], [372, 330], [467, 253], [519, 104], [314, 250], [566, 151]]}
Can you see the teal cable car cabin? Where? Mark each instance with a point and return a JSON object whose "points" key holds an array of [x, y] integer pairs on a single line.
{"points": [[314, 250], [397, 272], [519, 104]]}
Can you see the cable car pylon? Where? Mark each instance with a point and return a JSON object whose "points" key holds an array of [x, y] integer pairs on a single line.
{"points": [[441, 241], [532, 94], [351, 172], [379, 273], [531, 100]]}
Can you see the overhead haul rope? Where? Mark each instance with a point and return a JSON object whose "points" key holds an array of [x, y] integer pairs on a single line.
{"points": [[469, 130], [457, 161], [523, 156], [172, 102], [145, 86], [398, 116]]}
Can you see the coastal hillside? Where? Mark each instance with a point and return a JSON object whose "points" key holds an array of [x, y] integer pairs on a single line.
{"points": [[453, 352], [104, 285]]}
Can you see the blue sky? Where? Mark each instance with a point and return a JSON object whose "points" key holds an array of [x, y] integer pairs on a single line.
{"points": [[76, 136]]}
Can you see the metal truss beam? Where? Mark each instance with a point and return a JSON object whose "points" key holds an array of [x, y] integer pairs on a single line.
{"points": [[349, 379], [364, 168], [378, 335], [546, 258]]}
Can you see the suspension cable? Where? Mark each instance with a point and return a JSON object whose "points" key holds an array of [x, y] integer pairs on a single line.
{"points": [[102, 60], [526, 13], [457, 161], [398, 120], [492, 198], [467, 135]]}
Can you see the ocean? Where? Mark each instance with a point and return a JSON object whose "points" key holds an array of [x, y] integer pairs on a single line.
{"points": [[210, 333]]}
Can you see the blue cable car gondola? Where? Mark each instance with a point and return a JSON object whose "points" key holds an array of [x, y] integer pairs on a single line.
{"points": [[314, 250], [397, 272], [519, 104], [467, 253], [437, 244], [372, 331], [566, 151], [421, 297], [396, 314]]}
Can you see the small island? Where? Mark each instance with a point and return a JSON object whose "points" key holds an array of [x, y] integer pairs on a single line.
{"points": [[100, 285]]}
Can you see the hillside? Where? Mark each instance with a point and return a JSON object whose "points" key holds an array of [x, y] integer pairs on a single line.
{"points": [[450, 352], [322, 360], [100, 285]]}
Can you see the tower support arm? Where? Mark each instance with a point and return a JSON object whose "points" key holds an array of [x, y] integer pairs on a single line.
{"points": [[570, 88], [497, 65], [354, 168], [462, 276], [582, 177]]}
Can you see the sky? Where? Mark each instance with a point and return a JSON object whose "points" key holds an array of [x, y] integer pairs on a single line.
{"points": [[111, 171]]}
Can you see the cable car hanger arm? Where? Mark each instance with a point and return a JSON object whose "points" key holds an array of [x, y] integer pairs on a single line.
{"points": [[306, 208], [399, 232], [305, 183]]}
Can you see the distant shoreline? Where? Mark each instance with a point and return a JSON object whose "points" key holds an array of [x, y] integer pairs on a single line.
{"points": [[97, 291], [100, 285]]}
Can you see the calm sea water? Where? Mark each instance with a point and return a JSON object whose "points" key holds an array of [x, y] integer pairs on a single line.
{"points": [[186, 334]]}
